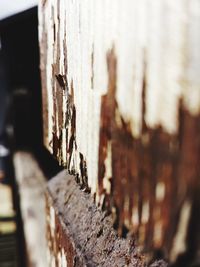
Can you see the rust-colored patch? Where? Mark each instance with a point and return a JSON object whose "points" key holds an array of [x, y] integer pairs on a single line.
{"points": [[152, 176], [59, 241], [81, 177], [59, 86], [141, 167], [64, 125]]}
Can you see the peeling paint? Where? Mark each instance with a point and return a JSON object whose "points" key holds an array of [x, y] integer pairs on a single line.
{"points": [[179, 244], [152, 175], [133, 140], [60, 249]]}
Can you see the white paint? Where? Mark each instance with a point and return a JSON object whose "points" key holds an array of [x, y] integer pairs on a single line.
{"points": [[63, 258], [48, 68], [52, 221], [126, 210], [160, 191], [192, 79], [179, 244], [156, 41], [135, 217], [168, 59], [108, 168], [145, 212]]}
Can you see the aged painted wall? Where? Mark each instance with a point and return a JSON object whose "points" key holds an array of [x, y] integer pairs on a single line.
{"points": [[121, 103]]}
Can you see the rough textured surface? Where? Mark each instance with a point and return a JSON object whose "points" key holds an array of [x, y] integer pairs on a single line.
{"points": [[150, 174], [82, 232], [121, 105]]}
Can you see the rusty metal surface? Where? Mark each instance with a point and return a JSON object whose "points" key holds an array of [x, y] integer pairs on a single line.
{"points": [[121, 112]]}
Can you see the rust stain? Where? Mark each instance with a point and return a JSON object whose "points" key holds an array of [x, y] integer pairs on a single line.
{"points": [[58, 240], [59, 81], [70, 123], [61, 91], [152, 175]]}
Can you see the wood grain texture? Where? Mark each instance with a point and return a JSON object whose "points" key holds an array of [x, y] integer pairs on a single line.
{"points": [[121, 100]]}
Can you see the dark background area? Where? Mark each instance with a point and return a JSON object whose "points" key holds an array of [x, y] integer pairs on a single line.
{"points": [[20, 48], [23, 123], [19, 62], [19, 39]]}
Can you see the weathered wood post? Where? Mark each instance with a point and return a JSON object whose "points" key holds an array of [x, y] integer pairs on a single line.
{"points": [[121, 103]]}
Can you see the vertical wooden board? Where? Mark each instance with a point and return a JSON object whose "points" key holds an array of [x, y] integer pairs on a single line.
{"points": [[121, 111]]}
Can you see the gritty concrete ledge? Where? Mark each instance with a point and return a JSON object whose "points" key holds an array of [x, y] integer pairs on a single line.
{"points": [[81, 234]]}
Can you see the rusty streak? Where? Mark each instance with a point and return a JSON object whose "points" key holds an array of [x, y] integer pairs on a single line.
{"points": [[150, 174]]}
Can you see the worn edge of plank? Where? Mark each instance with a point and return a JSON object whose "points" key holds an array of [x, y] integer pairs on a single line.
{"points": [[88, 228]]}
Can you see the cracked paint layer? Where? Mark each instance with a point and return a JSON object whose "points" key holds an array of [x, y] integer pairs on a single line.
{"points": [[150, 175], [133, 139]]}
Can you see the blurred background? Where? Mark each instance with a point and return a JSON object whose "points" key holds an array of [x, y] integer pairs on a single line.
{"points": [[20, 117], [140, 173]]}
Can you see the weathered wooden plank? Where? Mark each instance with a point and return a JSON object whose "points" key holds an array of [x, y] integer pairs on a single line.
{"points": [[32, 184], [81, 234], [121, 99]]}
